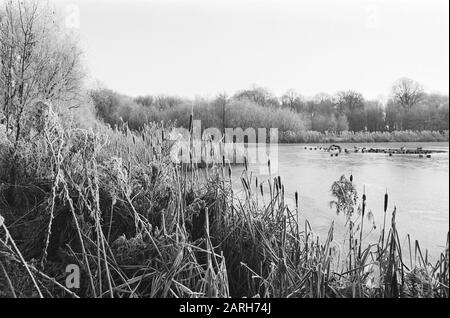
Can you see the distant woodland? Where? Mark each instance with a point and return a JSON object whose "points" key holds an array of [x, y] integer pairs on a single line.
{"points": [[408, 109]]}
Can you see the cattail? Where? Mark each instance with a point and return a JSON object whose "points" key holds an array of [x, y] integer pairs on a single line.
{"points": [[229, 172], [223, 160], [279, 181], [351, 178], [385, 201], [364, 198], [296, 199], [190, 123], [262, 191], [268, 165], [384, 219], [256, 182]]}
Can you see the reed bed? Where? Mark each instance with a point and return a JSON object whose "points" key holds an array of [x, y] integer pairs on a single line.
{"points": [[363, 136], [112, 202]]}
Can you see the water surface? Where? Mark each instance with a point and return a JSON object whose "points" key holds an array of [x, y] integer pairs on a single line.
{"points": [[417, 187]]}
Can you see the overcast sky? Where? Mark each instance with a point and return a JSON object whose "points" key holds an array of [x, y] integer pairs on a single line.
{"points": [[204, 47]]}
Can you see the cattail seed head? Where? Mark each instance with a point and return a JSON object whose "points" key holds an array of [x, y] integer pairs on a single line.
{"points": [[386, 199], [190, 122]]}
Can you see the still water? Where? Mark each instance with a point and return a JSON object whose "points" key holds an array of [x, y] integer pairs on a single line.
{"points": [[417, 187]]}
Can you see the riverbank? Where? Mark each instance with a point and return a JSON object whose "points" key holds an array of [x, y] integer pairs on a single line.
{"points": [[362, 137], [112, 203]]}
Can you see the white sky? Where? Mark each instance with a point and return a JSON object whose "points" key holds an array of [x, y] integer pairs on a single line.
{"points": [[204, 47]]}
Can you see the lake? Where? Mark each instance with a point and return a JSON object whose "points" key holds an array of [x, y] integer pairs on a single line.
{"points": [[418, 187]]}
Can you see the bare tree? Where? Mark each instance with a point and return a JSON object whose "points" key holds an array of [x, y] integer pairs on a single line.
{"points": [[258, 95], [351, 104], [407, 93], [348, 101], [321, 97], [39, 62], [291, 99]]}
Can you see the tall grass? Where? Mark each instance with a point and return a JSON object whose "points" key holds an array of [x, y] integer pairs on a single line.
{"points": [[363, 137], [112, 202]]}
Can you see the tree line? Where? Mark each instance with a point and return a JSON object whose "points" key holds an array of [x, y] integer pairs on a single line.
{"points": [[409, 107]]}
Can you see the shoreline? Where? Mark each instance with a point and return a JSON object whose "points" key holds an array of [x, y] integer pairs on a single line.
{"points": [[362, 142]]}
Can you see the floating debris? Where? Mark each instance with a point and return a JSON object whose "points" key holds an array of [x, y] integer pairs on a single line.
{"points": [[335, 150]]}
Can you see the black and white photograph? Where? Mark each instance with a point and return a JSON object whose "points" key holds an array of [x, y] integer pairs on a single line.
{"points": [[225, 154]]}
